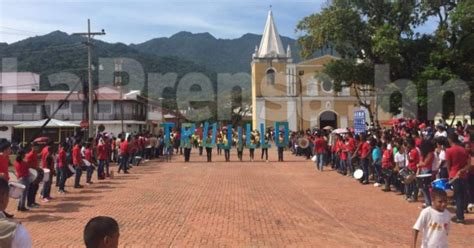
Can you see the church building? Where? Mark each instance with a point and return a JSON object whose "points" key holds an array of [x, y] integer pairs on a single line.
{"points": [[299, 93]]}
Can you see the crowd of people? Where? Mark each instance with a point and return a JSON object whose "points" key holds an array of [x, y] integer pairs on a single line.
{"points": [[406, 158]]}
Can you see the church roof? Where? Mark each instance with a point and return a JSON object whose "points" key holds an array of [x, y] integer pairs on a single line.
{"points": [[271, 45]]}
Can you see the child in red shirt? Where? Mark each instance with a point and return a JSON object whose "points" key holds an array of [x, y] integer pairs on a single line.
{"points": [[23, 174]]}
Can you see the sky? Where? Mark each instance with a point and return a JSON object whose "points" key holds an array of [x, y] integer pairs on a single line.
{"points": [[130, 21], [137, 21]]}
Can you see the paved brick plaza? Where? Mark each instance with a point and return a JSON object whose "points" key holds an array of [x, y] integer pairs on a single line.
{"points": [[233, 205]]}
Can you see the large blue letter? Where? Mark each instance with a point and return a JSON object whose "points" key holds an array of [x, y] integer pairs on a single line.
{"points": [[262, 137], [205, 133], [247, 137], [229, 138], [167, 126], [187, 130]]}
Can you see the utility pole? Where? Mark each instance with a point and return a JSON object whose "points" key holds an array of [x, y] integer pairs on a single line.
{"points": [[118, 83], [88, 43]]}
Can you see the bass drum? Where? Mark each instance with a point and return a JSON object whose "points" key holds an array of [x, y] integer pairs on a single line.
{"points": [[406, 176]]}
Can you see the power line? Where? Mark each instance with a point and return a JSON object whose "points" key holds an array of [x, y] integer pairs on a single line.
{"points": [[88, 43], [20, 30], [47, 49]]}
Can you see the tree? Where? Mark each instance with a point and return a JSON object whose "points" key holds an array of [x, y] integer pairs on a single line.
{"points": [[367, 33]]}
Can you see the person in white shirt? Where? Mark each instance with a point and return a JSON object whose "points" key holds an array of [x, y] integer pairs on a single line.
{"points": [[441, 132], [12, 233], [434, 222], [400, 163], [439, 162]]}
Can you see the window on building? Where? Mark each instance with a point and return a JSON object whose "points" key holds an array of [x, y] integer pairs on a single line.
{"points": [[326, 85], [104, 108], [312, 88], [65, 105], [24, 109], [270, 77], [76, 108], [46, 109]]}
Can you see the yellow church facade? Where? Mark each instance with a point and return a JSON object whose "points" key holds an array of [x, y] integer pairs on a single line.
{"points": [[298, 93]]}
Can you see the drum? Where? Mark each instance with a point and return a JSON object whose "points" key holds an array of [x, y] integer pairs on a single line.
{"points": [[441, 183], [40, 176], [423, 179], [387, 172], [86, 163], [358, 174], [406, 176], [12, 176], [71, 169], [33, 175], [46, 175], [16, 190]]}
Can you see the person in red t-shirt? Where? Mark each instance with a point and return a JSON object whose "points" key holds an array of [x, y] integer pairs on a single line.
{"points": [[320, 149], [102, 157], [77, 163], [365, 149], [31, 160], [413, 160], [5, 151], [458, 161], [62, 167], [47, 162], [88, 156], [351, 147], [387, 167], [23, 174], [124, 155]]}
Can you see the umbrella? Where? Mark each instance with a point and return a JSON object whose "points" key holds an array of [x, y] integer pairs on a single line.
{"points": [[328, 128], [340, 130], [41, 140]]}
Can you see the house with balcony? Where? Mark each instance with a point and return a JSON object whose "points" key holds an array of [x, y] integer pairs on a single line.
{"points": [[139, 113]]}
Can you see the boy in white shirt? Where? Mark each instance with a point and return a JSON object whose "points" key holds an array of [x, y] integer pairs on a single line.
{"points": [[434, 222]]}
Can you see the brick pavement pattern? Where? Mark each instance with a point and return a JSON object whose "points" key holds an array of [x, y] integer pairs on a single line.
{"points": [[235, 204]]}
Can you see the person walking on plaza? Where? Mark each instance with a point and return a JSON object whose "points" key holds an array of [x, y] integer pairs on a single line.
{"points": [[12, 233], [208, 146], [31, 160], [77, 163]]}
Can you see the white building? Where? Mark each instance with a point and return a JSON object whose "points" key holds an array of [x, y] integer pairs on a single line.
{"points": [[139, 113]]}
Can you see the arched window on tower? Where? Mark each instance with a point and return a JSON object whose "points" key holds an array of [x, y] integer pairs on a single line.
{"points": [[270, 76]]}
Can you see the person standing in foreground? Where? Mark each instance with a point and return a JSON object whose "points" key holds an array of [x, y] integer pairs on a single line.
{"points": [[101, 232], [434, 222], [12, 233], [5, 151]]}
